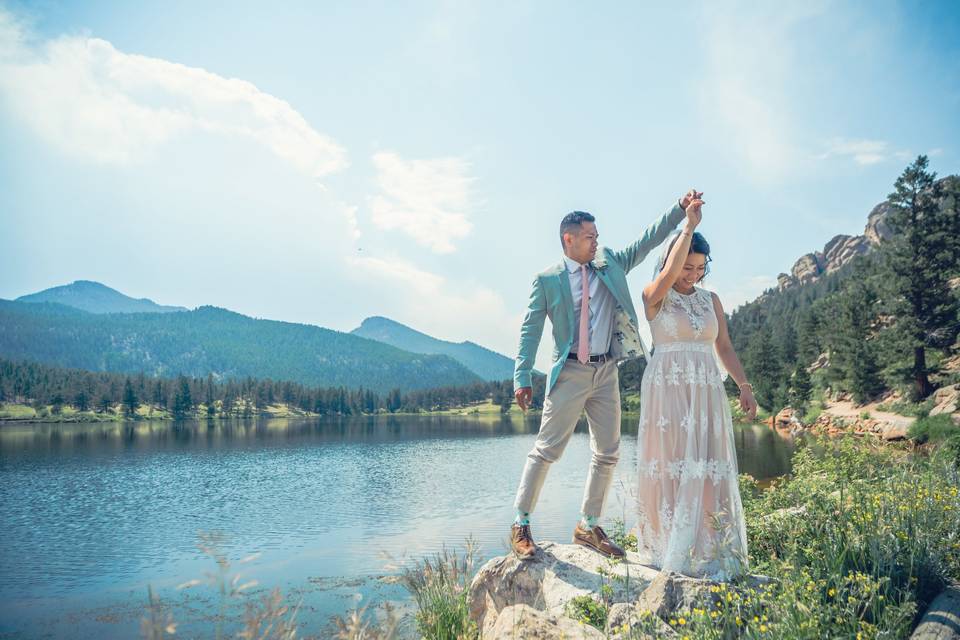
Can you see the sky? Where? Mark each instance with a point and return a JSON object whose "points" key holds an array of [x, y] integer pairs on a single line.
{"points": [[326, 162]]}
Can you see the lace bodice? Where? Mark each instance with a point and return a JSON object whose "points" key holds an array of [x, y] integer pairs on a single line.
{"points": [[685, 318]]}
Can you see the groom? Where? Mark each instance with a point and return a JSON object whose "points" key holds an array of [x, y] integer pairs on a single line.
{"points": [[594, 327]]}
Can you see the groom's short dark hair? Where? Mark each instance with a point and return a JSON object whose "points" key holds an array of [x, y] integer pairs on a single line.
{"points": [[571, 220]]}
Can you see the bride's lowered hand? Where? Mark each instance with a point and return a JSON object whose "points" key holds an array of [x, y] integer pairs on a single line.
{"points": [[747, 402]]}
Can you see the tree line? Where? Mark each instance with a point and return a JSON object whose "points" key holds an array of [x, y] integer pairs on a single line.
{"points": [[888, 320], [43, 386]]}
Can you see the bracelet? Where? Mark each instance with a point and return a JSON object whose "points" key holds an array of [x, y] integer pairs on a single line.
{"points": [[745, 384]]}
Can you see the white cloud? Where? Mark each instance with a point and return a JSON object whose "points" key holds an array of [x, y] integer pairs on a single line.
{"points": [[863, 152], [430, 303], [429, 200], [84, 96]]}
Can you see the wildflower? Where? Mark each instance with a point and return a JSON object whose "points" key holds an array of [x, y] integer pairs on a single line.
{"points": [[682, 621], [763, 628], [832, 592]]}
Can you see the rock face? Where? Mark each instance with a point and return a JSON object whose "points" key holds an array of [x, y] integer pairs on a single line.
{"points": [[843, 248], [510, 598]]}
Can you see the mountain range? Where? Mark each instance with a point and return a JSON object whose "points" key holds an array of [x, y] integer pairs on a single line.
{"points": [[97, 298], [89, 325]]}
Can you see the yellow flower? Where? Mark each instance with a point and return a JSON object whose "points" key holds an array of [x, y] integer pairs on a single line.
{"points": [[714, 614], [739, 621], [763, 628], [682, 621]]}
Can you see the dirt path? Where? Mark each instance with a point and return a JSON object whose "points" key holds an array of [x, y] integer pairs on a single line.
{"points": [[846, 409]]}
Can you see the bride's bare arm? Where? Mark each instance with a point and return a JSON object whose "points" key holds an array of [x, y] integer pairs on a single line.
{"points": [[656, 290], [728, 357]]}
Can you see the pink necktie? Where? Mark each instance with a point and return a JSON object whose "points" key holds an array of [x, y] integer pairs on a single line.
{"points": [[583, 341]]}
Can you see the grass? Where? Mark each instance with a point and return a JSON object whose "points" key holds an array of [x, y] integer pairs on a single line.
{"points": [[266, 619], [933, 429], [907, 408]]}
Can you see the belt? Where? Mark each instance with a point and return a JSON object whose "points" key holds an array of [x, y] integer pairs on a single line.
{"points": [[603, 357]]}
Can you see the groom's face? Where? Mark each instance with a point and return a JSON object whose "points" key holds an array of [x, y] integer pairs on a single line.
{"points": [[582, 244]]}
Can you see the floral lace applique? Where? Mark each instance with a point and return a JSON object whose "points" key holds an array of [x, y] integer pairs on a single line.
{"points": [[696, 306]]}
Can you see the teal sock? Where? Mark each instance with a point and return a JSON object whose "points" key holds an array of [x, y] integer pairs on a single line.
{"points": [[588, 522], [523, 518]]}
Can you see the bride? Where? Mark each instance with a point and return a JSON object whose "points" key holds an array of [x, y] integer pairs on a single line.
{"points": [[689, 514]]}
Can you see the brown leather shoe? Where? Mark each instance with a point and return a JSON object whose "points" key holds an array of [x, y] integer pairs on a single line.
{"points": [[521, 540], [597, 540]]}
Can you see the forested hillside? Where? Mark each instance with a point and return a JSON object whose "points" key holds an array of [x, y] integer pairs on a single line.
{"points": [[887, 318]]}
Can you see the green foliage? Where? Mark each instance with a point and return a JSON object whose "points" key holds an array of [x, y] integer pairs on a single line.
{"points": [[921, 259], [933, 429], [884, 319], [40, 384], [800, 388], [860, 539], [588, 610], [766, 372], [439, 585]]}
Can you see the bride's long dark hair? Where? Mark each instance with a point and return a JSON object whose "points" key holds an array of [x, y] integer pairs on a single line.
{"points": [[698, 244]]}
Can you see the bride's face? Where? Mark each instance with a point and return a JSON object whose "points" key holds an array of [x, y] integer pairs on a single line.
{"points": [[693, 271]]}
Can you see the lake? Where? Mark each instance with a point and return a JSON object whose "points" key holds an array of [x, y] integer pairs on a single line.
{"points": [[92, 514]]}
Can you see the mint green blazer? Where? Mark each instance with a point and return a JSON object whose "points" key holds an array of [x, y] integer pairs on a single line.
{"points": [[551, 298]]}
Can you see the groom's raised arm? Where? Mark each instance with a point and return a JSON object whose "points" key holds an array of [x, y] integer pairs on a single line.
{"points": [[530, 332], [655, 234]]}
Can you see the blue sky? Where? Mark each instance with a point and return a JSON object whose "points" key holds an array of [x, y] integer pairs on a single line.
{"points": [[321, 162]]}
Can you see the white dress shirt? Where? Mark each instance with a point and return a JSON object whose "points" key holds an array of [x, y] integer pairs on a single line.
{"points": [[602, 305]]}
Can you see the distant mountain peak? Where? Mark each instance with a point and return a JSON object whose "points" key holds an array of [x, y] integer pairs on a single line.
{"points": [[486, 363], [96, 297]]}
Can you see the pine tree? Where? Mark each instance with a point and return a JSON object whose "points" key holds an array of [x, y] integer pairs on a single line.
{"points": [[800, 388], [922, 259], [765, 371], [81, 401], [130, 401], [209, 399], [182, 400], [855, 352]]}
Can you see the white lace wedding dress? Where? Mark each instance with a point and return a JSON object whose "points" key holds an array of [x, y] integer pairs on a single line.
{"points": [[689, 514]]}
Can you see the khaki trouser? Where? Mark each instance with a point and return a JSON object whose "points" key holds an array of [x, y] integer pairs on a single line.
{"points": [[595, 389]]}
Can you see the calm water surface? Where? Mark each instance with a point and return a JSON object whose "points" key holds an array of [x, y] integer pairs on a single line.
{"points": [[92, 514]]}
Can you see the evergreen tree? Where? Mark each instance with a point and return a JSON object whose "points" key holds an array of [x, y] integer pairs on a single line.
{"points": [[81, 401], [923, 257], [800, 388], [104, 402], [182, 401], [57, 403], [765, 371], [394, 401], [855, 353], [209, 398], [130, 401]]}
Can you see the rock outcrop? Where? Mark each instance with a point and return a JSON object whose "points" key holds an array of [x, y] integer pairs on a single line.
{"points": [[843, 248], [510, 598]]}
